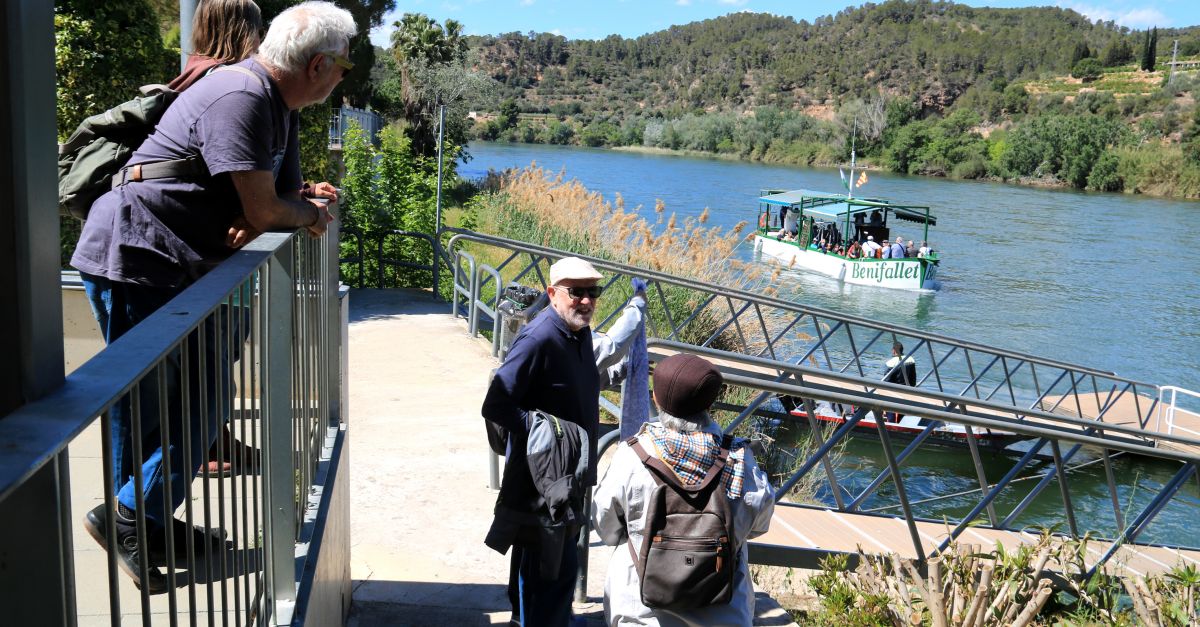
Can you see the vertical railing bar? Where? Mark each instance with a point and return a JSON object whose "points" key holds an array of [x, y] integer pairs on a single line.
{"points": [[855, 357], [143, 538], [1008, 376], [185, 405], [1062, 487], [1146, 516], [164, 433], [110, 512], [1038, 488], [780, 335], [201, 332], [736, 319], [882, 476], [695, 314], [766, 334], [257, 511], [1075, 394], [933, 370], [975, 381], [237, 432], [991, 495], [839, 434], [662, 299], [224, 414], [1111, 480], [823, 338], [980, 474], [970, 373], [886, 440], [810, 409]]}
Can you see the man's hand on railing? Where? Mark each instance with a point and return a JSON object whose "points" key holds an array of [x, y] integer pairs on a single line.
{"points": [[240, 233], [324, 217], [320, 190]]}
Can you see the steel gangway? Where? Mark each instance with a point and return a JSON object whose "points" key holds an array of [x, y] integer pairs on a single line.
{"points": [[1073, 419]]}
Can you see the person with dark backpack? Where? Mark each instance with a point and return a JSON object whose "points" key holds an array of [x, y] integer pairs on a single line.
{"points": [[683, 498]]}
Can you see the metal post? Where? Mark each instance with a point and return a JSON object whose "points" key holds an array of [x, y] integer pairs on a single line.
{"points": [[437, 211], [187, 9], [279, 482]]}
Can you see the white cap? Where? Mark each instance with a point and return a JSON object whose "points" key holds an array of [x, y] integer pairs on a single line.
{"points": [[870, 238], [572, 268]]}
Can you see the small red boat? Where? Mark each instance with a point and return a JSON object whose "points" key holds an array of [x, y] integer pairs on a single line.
{"points": [[904, 429]]}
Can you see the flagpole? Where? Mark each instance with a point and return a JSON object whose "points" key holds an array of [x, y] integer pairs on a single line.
{"points": [[853, 134]]}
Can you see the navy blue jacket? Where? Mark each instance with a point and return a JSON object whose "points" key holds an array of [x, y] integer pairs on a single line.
{"points": [[552, 369]]}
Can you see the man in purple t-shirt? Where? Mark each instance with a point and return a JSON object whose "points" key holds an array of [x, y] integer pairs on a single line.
{"points": [[149, 238]]}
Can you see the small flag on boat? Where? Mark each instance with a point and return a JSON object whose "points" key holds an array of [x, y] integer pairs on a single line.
{"points": [[845, 183], [862, 179]]}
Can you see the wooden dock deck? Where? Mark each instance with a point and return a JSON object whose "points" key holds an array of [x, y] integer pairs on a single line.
{"points": [[828, 531]]}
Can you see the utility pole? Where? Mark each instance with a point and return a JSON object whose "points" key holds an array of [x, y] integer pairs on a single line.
{"points": [[1174, 55], [437, 211]]}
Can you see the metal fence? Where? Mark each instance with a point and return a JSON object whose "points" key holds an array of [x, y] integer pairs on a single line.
{"points": [[370, 122], [246, 359], [751, 323]]}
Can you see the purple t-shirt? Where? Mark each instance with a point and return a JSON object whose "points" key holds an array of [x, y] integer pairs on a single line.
{"points": [[168, 232]]}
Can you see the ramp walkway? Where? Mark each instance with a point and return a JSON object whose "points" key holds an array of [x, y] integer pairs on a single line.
{"points": [[420, 502], [1064, 413]]}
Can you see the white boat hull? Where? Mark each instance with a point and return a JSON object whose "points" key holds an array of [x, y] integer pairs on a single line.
{"points": [[903, 274]]}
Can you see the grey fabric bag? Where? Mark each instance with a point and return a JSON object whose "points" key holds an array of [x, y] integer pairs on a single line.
{"points": [[686, 557]]}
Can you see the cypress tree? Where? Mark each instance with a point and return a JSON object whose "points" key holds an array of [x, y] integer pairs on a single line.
{"points": [[1152, 57], [1144, 65]]}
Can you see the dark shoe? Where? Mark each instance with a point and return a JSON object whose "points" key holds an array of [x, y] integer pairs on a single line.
{"points": [[127, 547], [158, 542]]}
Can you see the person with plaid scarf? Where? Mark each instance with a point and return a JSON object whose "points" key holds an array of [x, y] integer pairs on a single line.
{"points": [[687, 440]]}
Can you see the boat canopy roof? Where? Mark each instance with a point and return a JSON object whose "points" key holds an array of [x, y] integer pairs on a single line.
{"points": [[838, 206]]}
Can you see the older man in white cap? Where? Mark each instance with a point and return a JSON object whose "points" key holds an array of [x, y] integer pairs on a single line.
{"points": [[551, 367]]}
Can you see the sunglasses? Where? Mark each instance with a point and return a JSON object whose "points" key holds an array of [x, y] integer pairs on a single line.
{"points": [[592, 291], [340, 61]]}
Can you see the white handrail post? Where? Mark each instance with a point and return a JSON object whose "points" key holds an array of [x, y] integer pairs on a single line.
{"points": [[279, 480]]}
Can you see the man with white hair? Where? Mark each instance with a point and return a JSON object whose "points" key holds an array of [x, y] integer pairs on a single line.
{"points": [[871, 246], [222, 165]]}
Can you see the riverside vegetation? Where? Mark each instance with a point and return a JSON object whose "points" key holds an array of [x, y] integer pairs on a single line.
{"points": [[932, 88]]}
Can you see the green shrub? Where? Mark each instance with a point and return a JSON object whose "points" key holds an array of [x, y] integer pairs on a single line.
{"points": [[104, 50], [1087, 69], [1105, 176]]}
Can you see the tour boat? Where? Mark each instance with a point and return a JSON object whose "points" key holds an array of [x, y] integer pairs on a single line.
{"points": [[907, 428], [824, 222]]}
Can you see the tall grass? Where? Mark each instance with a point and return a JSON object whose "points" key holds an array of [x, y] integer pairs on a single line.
{"points": [[535, 206]]}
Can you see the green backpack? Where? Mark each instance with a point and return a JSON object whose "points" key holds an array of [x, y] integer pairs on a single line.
{"points": [[104, 142]]}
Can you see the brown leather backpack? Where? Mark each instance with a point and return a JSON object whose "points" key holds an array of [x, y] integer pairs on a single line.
{"points": [[686, 559]]}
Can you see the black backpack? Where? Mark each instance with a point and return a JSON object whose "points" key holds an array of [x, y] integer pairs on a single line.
{"points": [[686, 560]]}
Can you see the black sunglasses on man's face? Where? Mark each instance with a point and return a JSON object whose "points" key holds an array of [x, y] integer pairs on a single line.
{"points": [[592, 291]]}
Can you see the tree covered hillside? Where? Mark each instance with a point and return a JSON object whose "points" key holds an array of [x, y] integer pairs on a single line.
{"points": [[929, 51], [1034, 95]]}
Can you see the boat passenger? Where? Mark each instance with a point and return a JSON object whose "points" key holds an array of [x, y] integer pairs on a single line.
{"points": [[789, 230], [876, 218], [910, 250], [898, 249], [871, 248], [855, 251], [858, 224], [906, 374], [886, 252], [923, 250]]}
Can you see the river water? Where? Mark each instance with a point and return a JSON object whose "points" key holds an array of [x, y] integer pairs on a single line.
{"points": [[1108, 281]]}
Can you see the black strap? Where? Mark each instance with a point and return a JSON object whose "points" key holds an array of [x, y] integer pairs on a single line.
{"points": [[188, 168]]}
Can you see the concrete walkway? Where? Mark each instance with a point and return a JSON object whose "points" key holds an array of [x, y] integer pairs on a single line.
{"points": [[420, 504]]}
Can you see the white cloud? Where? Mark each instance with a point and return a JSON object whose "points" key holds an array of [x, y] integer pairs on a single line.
{"points": [[1132, 18], [683, 3], [526, 3]]}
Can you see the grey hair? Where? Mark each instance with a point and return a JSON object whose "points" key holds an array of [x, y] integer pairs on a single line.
{"points": [[307, 29], [695, 422]]}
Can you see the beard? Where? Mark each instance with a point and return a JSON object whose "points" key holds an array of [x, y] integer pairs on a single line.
{"points": [[576, 317]]}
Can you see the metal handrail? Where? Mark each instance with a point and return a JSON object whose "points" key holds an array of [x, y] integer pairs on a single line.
{"points": [[400, 263], [272, 308], [1167, 409], [462, 235]]}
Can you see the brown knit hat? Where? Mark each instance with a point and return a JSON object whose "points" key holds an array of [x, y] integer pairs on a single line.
{"points": [[685, 385]]}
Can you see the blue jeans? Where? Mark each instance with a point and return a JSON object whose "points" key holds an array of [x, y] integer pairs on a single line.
{"points": [[546, 602], [118, 307]]}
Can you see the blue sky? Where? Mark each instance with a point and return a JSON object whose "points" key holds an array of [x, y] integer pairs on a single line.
{"points": [[596, 19]]}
